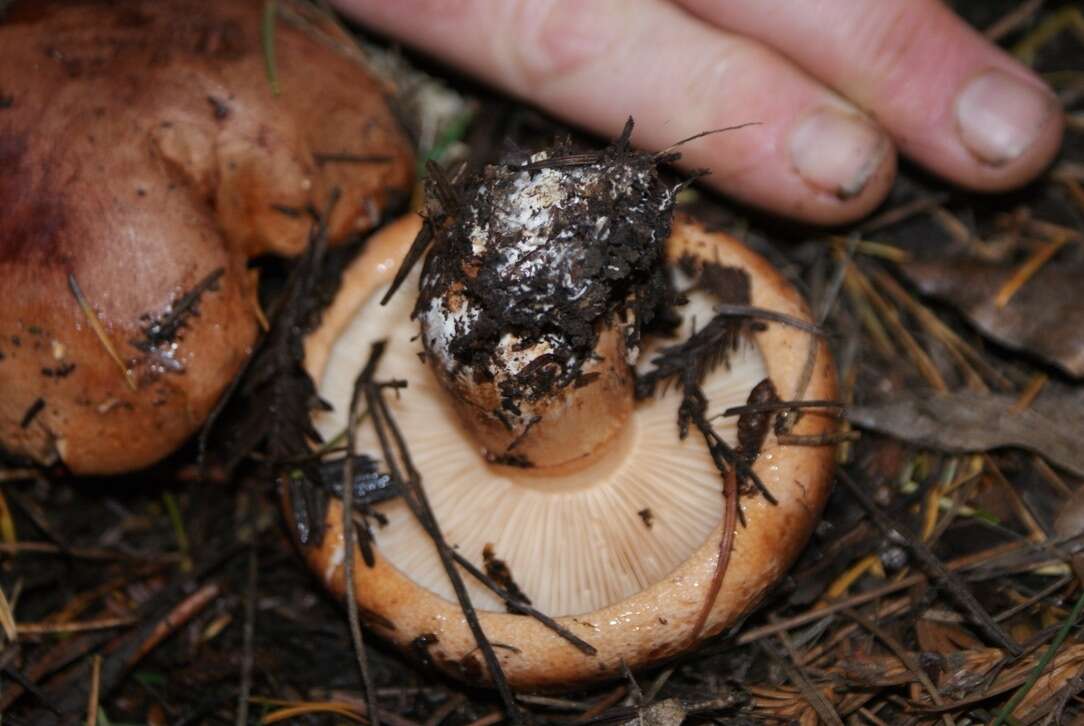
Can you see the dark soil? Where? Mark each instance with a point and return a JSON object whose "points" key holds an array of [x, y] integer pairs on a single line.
{"points": [[595, 254]]}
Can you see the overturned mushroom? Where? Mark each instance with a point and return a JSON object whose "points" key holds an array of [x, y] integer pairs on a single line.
{"points": [[550, 288], [144, 158]]}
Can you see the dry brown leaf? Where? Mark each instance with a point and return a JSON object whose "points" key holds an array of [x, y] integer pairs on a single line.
{"points": [[1044, 317], [965, 422]]}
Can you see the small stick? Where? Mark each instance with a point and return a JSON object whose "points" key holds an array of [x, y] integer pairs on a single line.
{"points": [[726, 547], [79, 627], [780, 406], [248, 636], [950, 581], [392, 443], [7, 618], [32, 412], [948, 337], [184, 611], [521, 607], [749, 311], [26, 684], [1028, 602], [95, 686], [891, 317], [364, 378], [826, 439], [602, 704]]}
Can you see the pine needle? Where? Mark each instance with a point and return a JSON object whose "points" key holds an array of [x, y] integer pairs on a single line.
{"points": [[1028, 270], [99, 330], [7, 618], [95, 687], [267, 38]]}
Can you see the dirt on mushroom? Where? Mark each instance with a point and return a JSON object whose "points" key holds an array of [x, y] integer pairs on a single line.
{"points": [[533, 263], [595, 223]]}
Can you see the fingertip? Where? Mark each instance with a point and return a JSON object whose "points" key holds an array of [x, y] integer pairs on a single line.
{"points": [[835, 150], [1010, 126], [825, 208], [951, 100], [828, 165], [831, 210]]}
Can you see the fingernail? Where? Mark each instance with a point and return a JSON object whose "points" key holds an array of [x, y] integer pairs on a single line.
{"points": [[836, 151], [999, 116]]}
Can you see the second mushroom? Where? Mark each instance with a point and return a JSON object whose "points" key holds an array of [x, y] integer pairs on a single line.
{"points": [[574, 351]]}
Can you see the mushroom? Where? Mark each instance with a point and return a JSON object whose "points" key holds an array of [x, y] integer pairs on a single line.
{"points": [[145, 157], [616, 531]]}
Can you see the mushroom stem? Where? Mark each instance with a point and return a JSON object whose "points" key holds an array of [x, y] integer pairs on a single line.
{"points": [[533, 295], [560, 432]]}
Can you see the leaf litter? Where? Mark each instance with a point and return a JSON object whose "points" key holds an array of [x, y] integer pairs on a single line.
{"points": [[966, 422]]}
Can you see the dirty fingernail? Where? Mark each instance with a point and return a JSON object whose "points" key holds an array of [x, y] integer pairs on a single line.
{"points": [[999, 116], [837, 151]]}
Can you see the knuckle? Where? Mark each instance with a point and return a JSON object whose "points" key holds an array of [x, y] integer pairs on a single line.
{"points": [[901, 44], [554, 39]]}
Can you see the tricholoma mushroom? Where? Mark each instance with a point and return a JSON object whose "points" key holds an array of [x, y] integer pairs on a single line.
{"points": [[575, 346], [145, 156]]}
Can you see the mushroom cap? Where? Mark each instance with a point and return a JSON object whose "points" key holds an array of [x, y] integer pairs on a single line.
{"points": [[650, 624], [142, 150]]}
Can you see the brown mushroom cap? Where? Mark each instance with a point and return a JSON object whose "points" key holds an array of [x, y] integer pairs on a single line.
{"points": [[141, 150], [652, 623]]}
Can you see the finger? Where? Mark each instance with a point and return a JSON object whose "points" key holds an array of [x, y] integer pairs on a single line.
{"points": [[813, 155], [953, 102]]}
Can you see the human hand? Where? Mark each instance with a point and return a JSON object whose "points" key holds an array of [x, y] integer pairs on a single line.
{"points": [[837, 86]]}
